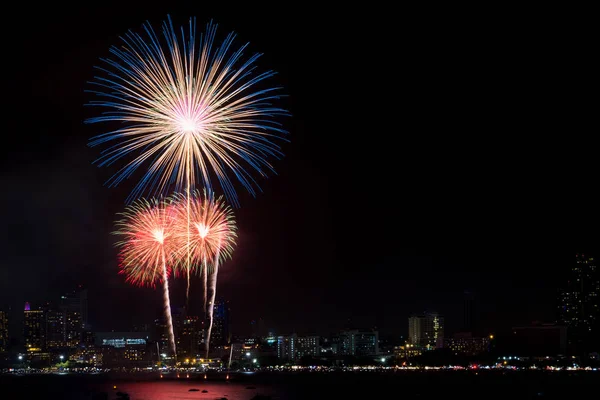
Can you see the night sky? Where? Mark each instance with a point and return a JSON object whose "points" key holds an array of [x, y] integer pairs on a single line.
{"points": [[430, 153]]}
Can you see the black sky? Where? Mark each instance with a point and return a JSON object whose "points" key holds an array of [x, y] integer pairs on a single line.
{"points": [[432, 152]]}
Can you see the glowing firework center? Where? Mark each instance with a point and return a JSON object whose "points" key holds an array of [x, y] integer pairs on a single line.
{"points": [[202, 230]]}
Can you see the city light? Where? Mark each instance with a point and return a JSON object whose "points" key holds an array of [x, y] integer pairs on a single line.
{"points": [[127, 351]]}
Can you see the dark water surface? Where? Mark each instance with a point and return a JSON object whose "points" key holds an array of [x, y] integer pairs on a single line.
{"points": [[307, 386]]}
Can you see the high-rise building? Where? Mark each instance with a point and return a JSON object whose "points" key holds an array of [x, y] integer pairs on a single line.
{"points": [[293, 347], [201, 332], [307, 346], [74, 308], [73, 328], [221, 329], [426, 331], [125, 349], [358, 343], [467, 344], [55, 329], [286, 347], [34, 329], [579, 300], [3, 331], [178, 315], [188, 330], [161, 334], [187, 339]]}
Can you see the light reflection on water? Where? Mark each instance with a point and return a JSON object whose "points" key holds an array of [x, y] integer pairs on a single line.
{"points": [[171, 390]]}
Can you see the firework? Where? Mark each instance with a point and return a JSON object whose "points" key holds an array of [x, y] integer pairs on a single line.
{"points": [[205, 233], [146, 248], [190, 110]]}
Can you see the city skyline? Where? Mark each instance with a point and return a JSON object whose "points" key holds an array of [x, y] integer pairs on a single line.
{"points": [[57, 335], [577, 301], [142, 352], [243, 324], [462, 190]]}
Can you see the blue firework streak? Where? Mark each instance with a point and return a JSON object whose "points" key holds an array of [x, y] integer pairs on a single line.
{"points": [[189, 110]]}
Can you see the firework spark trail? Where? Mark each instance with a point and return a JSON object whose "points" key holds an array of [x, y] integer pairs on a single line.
{"points": [[212, 237], [167, 306], [205, 284], [188, 264], [145, 229], [211, 304]]}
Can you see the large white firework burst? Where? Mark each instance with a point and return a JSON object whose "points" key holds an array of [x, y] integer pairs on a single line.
{"points": [[189, 109]]}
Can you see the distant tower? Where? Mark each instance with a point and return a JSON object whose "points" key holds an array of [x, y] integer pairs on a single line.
{"points": [[579, 299], [186, 332], [3, 331], [55, 329], [426, 331], [73, 305], [188, 341], [221, 330], [34, 329], [354, 342], [178, 315], [161, 334], [83, 296]]}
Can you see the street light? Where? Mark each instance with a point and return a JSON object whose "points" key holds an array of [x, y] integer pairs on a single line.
{"points": [[61, 357], [20, 358], [248, 354], [254, 361]]}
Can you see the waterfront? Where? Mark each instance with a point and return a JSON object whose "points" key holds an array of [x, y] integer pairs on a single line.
{"points": [[296, 386]]}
